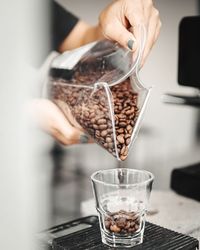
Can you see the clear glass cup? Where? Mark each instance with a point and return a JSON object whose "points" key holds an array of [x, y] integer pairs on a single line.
{"points": [[122, 197]]}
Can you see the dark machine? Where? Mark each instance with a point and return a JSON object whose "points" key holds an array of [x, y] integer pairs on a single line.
{"points": [[186, 180]]}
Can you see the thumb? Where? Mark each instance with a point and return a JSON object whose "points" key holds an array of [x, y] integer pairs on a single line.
{"points": [[120, 34]]}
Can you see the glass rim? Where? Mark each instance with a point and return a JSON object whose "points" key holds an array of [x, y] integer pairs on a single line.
{"points": [[151, 177]]}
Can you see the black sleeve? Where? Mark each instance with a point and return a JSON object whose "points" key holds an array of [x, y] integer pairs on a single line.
{"points": [[62, 24]]}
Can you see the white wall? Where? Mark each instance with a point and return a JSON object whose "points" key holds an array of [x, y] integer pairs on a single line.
{"points": [[19, 171]]}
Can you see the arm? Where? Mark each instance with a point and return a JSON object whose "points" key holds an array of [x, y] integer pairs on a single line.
{"points": [[115, 23], [81, 34]]}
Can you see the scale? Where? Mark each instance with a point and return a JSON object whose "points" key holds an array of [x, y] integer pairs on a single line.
{"points": [[84, 234]]}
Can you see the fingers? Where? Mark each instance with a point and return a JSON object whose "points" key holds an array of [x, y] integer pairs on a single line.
{"points": [[50, 118], [134, 13], [121, 16], [67, 112], [64, 131], [153, 31], [122, 36]]}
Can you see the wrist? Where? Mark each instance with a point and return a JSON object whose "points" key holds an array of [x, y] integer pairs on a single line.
{"points": [[93, 33]]}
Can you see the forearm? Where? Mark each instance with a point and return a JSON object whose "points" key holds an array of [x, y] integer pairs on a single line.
{"points": [[81, 34]]}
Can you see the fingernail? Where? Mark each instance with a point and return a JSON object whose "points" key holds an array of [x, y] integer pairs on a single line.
{"points": [[130, 44], [84, 138]]}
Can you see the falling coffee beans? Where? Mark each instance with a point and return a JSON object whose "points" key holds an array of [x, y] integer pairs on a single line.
{"points": [[91, 109], [122, 222]]}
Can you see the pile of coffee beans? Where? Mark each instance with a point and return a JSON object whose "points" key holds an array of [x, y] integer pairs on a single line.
{"points": [[110, 127], [122, 222]]}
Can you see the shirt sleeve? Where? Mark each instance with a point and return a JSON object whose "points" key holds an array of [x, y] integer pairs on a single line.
{"points": [[63, 23]]}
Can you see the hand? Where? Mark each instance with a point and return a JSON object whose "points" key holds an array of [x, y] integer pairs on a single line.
{"points": [[50, 118], [121, 16]]}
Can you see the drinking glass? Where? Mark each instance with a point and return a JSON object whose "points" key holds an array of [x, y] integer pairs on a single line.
{"points": [[122, 197]]}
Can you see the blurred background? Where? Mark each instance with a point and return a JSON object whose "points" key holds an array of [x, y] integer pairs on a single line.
{"points": [[169, 136], [43, 183]]}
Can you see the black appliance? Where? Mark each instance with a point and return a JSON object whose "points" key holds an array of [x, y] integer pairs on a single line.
{"points": [[84, 233], [188, 62]]}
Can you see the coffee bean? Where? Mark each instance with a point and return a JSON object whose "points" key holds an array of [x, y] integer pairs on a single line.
{"points": [[131, 230], [128, 140], [92, 115], [122, 117], [122, 124], [103, 126], [120, 138], [127, 136], [101, 121], [120, 131], [93, 121], [97, 133], [136, 227], [132, 224], [130, 111], [115, 229], [121, 222], [129, 127], [104, 133], [107, 224], [123, 150], [128, 224], [123, 157], [108, 139], [95, 126], [110, 145]]}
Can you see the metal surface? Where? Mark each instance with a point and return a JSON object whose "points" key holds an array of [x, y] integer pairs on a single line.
{"points": [[155, 238]]}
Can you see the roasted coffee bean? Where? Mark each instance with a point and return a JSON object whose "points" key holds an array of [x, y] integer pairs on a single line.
{"points": [[128, 140], [129, 127], [121, 222], [132, 224], [122, 117], [122, 124], [103, 126], [104, 133], [92, 115], [95, 126], [120, 131], [127, 136], [136, 227], [128, 224], [123, 157], [110, 145], [97, 133], [101, 121], [108, 139], [123, 150], [131, 230], [130, 111], [120, 138], [107, 223], [93, 121], [115, 229]]}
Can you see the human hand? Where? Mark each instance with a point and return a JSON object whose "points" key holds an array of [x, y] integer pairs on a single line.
{"points": [[50, 118], [121, 16]]}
